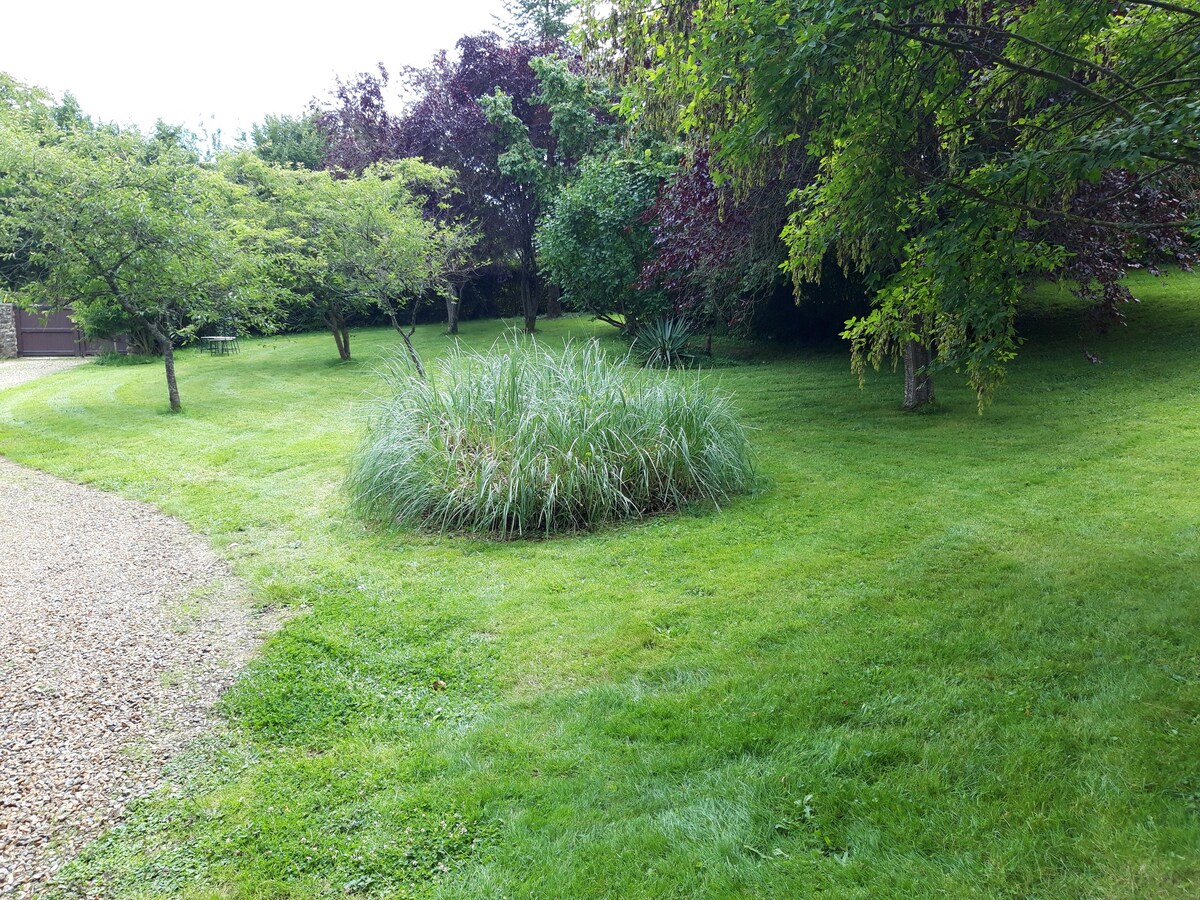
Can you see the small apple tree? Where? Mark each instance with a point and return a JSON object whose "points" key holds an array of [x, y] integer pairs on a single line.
{"points": [[120, 226]]}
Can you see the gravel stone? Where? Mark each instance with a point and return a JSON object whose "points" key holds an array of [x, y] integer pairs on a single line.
{"points": [[27, 368], [120, 628]]}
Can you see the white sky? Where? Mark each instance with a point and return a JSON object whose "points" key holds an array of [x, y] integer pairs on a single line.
{"points": [[222, 63]]}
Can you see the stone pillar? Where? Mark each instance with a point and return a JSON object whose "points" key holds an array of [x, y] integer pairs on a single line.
{"points": [[8, 331]]}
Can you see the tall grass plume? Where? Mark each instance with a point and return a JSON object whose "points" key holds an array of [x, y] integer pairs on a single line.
{"points": [[523, 440]]}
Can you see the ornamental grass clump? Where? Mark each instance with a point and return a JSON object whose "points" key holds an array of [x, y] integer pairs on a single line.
{"points": [[521, 440]]}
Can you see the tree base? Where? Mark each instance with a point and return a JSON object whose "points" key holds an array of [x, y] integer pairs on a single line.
{"points": [[918, 384]]}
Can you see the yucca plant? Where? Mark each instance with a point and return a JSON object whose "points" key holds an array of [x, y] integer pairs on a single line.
{"points": [[522, 440], [664, 343]]}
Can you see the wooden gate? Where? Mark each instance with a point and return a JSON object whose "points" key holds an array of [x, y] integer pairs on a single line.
{"points": [[52, 336]]}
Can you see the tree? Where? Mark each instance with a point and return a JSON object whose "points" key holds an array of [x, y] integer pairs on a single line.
{"points": [[578, 127], [537, 20], [356, 127], [117, 224], [594, 240], [22, 108], [444, 124], [345, 246], [404, 256], [285, 140], [456, 259], [957, 146], [22, 105], [715, 254], [307, 212]]}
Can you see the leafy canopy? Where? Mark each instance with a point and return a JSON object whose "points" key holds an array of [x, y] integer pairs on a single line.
{"points": [[348, 245], [285, 140], [445, 124], [594, 240], [538, 20], [121, 227], [952, 141]]}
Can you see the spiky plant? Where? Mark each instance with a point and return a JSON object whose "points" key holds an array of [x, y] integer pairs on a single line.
{"points": [[664, 343]]}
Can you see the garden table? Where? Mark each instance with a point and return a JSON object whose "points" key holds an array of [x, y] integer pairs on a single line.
{"points": [[221, 344]]}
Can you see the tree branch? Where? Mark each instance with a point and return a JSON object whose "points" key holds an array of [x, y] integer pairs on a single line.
{"points": [[1082, 62], [1043, 213], [1004, 62], [1167, 7]]}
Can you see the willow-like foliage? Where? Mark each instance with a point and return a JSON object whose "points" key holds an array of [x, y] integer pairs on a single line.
{"points": [[952, 149]]}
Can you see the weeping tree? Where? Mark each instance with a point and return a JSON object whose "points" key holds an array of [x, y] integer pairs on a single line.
{"points": [[121, 226], [954, 149]]}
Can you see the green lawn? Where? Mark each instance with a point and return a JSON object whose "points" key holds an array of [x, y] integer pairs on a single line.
{"points": [[936, 655]]}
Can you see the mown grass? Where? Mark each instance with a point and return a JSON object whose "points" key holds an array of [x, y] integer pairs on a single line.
{"points": [[939, 655]]}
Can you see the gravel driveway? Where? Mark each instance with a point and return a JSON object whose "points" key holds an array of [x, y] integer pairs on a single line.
{"points": [[120, 628], [27, 368]]}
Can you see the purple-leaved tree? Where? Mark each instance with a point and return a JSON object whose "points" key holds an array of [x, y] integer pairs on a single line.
{"points": [[444, 124]]}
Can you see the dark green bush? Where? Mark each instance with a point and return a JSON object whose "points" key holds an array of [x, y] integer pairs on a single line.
{"points": [[112, 358]]}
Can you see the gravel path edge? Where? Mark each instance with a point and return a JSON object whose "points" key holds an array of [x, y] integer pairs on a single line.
{"points": [[122, 627]]}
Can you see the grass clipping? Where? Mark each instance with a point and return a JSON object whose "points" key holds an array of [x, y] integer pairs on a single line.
{"points": [[521, 440]]}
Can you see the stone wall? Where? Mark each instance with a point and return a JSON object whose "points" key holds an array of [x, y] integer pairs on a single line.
{"points": [[8, 330]]}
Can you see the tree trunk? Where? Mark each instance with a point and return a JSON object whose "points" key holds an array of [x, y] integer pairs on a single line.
{"points": [[172, 386], [405, 336], [554, 302], [412, 354], [529, 299], [336, 323], [452, 305], [918, 383], [161, 330], [341, 338]]}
